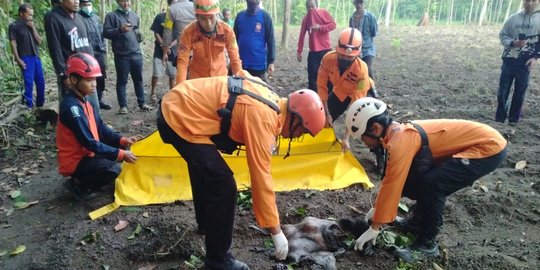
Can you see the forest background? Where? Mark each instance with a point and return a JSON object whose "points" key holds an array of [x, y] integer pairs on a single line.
{"points": [[285, 14]]}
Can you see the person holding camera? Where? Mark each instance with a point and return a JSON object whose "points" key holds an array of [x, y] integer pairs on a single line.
{"points": [[122, 28], [520, 38]]}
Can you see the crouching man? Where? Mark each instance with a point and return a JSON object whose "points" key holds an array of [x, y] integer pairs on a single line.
{"points": [[88, 150], [427, 161]]}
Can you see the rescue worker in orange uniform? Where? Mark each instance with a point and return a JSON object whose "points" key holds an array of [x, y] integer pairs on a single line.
{"points": [[427, 161], [208, 37], [347, 73], [88, 150], [189, 120]]}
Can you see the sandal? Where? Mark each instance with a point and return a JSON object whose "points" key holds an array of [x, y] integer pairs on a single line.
{"points": [[146, 107]]}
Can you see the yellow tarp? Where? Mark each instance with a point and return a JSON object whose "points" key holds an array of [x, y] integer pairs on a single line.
{"points": [[160, 175]]}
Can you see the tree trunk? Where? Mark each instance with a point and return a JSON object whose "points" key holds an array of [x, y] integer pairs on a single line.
{"points": [[471, 10], [449, 19], [394, 10], [483, 13], [507, 13], [387, 13], [286, 20], [520, 6], [102, 9]]}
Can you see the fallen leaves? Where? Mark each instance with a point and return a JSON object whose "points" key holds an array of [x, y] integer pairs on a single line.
{"points": [[520, 165], [90, 238], [20, 249], [122, 224], [136, 232]]}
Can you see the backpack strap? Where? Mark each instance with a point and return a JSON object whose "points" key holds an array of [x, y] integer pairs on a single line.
{"points": [[423, 135]]}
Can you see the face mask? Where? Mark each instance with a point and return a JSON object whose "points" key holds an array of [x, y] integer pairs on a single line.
{"points": [[344, 64], [252, 7], [124, 10], [87, 10]]}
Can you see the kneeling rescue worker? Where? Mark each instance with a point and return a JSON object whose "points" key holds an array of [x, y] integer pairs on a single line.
{"points": [[427, 161]]}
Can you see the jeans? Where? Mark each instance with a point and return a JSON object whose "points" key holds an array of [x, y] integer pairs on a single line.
{"points": [[33, 74], [124, 67], [214, 192], [96, 172], [313, 63], [431, 190], [368, 59], [519, 75]]}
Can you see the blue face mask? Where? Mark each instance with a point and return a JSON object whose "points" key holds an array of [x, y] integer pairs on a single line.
{"points": [[87, 10]]}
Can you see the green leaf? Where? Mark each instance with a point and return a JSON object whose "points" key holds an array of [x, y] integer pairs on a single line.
{"points": [[20, 249], [268, 243], [21, 205], [131, 209], [403, 207], [14, 194], [90, 238], [136, 232]]}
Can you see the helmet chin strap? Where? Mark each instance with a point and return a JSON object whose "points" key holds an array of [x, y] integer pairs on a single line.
{"points": [[383, 133], [291, 130]]}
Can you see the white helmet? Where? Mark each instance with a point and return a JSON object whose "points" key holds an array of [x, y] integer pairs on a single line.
{"points": [[359, 114]]}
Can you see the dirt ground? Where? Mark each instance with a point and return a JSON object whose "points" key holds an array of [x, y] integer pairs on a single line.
{"points": [[430, 72]]}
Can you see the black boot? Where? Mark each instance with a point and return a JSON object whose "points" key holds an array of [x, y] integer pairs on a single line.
{"points": [[419, 250], [231, 264]]}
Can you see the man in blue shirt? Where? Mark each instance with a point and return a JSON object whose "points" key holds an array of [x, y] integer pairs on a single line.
{"points": [[366, 23], [254, 32]]}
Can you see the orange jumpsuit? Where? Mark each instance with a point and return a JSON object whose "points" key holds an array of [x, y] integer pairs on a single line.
{"points": [[190, 109], [447, 139], [354, 82], [208, 52]]}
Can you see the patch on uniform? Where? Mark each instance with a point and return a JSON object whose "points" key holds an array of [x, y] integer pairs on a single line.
{"points": [[258, 27], [182, 47], [75, 111], [221, 37], [360, 85]]}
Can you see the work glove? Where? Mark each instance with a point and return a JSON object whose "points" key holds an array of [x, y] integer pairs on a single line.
{"points": [[369, 235], [369, 215], [282, 246]]}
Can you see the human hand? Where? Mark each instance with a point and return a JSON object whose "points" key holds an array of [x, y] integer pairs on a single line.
{"points": [[30, 24], [270, 70], [282, 246], [21, 63], [519, 43], [531, 63], [129, 157], [369, 215], [299, 57], [345, 145], [133, 139], [369, 235], [126, 27]]}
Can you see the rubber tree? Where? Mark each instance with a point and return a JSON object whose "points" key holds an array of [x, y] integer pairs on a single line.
{"points": [[286, 20]]}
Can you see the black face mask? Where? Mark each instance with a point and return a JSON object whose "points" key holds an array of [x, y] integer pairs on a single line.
{"points": [[252, 7], [344, 64]]}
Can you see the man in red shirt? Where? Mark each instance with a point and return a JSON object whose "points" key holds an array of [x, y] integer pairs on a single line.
{"points": [[318, 23]]}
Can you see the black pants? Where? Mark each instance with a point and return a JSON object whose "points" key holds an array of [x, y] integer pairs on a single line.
{"points": [[337, 107], [257, 73], [96, 172], [431, 190], [100, 81], [214, 192], [313, 63]]}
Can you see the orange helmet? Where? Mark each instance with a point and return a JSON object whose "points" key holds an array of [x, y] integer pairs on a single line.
{"points": [[350, 42], [206, 7], [84, 65], [307, 105]]}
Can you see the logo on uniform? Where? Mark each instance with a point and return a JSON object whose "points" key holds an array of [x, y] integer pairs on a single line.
{"points": [[258, 27], [75, 111]]}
